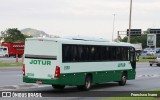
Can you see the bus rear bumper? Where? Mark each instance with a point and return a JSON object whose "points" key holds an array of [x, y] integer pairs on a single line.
{"points": [[42, 81]]}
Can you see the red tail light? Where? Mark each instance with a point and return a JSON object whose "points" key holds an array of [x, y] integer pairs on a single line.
{"points": [[57, 72], [23, 69]]}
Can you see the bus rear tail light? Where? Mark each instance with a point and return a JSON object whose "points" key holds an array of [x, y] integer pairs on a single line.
{"points": [[57, 72], [23, 69]]}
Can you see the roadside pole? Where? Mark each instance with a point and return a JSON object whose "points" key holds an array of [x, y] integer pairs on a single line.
{"points": [[23, 58], [16, 57]]}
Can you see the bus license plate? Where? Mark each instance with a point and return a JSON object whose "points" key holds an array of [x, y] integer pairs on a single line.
{"points": [[39, 82]]}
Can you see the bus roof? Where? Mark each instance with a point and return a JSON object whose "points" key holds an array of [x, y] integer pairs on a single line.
{"points": [[82, 41]]}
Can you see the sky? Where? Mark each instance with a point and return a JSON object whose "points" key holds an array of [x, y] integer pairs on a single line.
{"points": [[79, 17]]}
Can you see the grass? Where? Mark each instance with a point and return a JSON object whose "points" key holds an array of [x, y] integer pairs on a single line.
{"points": [[130, 98], [10, 64], [144, 60]]}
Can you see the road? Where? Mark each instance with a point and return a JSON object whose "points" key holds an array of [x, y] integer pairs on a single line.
{"points": [[147, 78], [9, 59]]}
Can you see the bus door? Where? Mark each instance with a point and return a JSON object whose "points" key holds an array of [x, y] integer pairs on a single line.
{"points": [[132, 57]]}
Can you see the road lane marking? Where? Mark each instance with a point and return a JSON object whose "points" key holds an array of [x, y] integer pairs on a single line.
{"points": [[147, 76]]}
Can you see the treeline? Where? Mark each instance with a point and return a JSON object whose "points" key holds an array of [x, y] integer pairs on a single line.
{"points": [[141, 39], [13, 35]]}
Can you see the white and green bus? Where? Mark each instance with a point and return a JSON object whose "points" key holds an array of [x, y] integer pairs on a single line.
{"points": [[77, 62]]}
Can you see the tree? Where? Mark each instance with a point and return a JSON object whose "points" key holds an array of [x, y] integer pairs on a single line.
{"points": [[27, 36], [142, 39], [138, 39], [14, 35]]}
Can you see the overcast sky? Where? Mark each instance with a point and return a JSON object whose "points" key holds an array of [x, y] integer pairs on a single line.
{"points": [[79, 17]]}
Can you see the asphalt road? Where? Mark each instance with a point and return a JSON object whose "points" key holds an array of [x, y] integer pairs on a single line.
{"points": [[10, 76], [147, 78], [9, 59]]}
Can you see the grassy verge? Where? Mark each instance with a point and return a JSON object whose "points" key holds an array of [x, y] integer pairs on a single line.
{"points": [[131, 98], [10, 64], [144, 60]]}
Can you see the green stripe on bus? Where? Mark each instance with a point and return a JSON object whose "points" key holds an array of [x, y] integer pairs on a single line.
{"points": [[79, 78]]}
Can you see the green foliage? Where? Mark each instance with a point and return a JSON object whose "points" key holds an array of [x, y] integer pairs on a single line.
{"points": [[138, 39], [14, 35], [149, 57], [26, 36], [9, 64], [130, 98], [141, 39]]}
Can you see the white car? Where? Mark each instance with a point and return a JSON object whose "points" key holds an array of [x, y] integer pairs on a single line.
{"points": [[151, 52], [158, 58], [157, 61]]}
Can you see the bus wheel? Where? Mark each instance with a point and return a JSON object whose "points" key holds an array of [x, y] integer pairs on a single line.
{"points": [[150, 64], [58, 87], [87, 84], [123, 80]]}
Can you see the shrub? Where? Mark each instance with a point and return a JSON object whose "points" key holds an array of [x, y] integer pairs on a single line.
{"points": [[149, 57]]}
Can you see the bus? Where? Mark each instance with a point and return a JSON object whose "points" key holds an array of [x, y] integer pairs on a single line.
{"points": [[77, 62]]}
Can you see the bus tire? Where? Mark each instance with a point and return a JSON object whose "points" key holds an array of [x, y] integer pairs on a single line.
{"points": [[150, 64], [123, 80], [87, 84], [58, 87]]}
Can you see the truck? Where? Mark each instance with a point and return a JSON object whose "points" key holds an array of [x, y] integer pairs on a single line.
{"points": [[15, 48], [3, 51]]}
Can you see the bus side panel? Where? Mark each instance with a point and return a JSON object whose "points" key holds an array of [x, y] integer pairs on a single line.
{"points": [[131, 74], [101, 71], [106, 76], [65, 79], [73, 79], [79, 78]]}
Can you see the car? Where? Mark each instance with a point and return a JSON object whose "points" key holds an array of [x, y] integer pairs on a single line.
{"points": [[156, 61], [158, 58], [151, 52]]}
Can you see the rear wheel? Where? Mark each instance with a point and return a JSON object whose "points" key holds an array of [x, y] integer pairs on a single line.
{"points": [[58, 87], [150, 64], [87, 84], [123, 80]]}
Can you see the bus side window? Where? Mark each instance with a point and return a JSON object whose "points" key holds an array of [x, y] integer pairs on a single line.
{"points": [[124, 52], [66, 53], [102, 53], [84, 53], [107, 53], [79, 53], [113, 53], [74, 55], [118, 53]]}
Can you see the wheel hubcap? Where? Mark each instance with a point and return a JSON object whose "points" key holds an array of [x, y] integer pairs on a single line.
{"points": [[88, 84], [124, 79]]}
